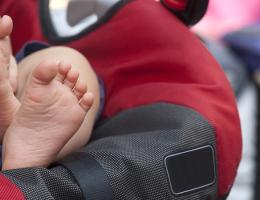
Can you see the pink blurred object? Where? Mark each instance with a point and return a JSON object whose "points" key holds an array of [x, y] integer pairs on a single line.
{"points": [[228, 15]]}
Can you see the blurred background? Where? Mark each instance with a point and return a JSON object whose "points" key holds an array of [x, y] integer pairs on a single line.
{"points": [[231, 32]]}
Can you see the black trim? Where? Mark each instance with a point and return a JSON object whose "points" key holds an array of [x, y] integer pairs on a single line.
{"points": [[45, 20], [190, 16], [50, 33], [90, 175], [194, 12]]}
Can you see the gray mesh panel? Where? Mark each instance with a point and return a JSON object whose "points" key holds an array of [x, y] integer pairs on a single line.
{"points": [[43, 184], [134, 159]]}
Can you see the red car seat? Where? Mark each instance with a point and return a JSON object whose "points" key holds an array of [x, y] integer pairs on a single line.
{"points": [[171, 128]]}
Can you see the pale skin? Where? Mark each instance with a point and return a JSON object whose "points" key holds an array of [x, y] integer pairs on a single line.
{"points": [[48, 106]]}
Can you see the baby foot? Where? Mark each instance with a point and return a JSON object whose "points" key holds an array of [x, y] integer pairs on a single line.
{"points": [[8, 102], [6, 27], [53, 108]]}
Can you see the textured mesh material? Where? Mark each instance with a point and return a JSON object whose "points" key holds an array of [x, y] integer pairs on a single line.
{"points": [[134, 159], [43, 184]]}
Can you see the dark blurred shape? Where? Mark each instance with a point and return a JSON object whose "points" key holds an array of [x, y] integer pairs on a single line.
{"points": [[234, 68], [246, 44], [189, 11]]}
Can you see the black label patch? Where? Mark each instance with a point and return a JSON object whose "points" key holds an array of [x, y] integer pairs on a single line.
{"points": [[191, 170]]}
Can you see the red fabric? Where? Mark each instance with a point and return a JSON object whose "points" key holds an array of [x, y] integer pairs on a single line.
{"points": [[9, 191], [144, 55]]}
